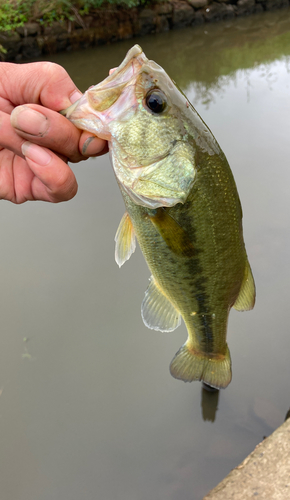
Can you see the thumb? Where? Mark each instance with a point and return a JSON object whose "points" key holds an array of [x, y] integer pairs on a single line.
{"points": [[44, 83]]}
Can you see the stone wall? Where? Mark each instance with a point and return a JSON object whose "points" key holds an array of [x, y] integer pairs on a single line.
{"points": [[114, 23]]}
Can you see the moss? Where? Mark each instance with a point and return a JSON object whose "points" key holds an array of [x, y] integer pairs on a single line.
{"points": [[15, 13]]}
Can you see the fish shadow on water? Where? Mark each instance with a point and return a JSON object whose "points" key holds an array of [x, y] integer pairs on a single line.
{"points": [[209, 402]]}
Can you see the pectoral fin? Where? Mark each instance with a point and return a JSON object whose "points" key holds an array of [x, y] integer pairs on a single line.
{"points": [[173, 234], [247, 294], [125, 240], [157, 311]]}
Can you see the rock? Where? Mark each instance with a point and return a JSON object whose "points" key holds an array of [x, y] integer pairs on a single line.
{"points": [[40, 42], [245, 7], [49, 44], [163, 8], [113, 23], [29, 29], [183, 15], [275, 4], [258, 9], [147, 14], [198, 18], [55, 29], [263, 475], [78, 39], [125, 30], [218, 11], [162, 24], [62, 42], [145, 23], [11, 41], [246, 3], [82, 39], [30, 48], [163, 16], [106, 27], [87, 20], [198, 4]]}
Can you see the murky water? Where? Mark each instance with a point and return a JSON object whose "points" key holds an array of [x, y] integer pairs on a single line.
{"points": [[88, 409]]}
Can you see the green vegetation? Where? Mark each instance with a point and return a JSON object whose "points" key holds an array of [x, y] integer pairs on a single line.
{"points": [[14, 13]]}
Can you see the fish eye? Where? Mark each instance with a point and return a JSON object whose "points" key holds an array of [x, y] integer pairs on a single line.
{"points": [[156, 101]]}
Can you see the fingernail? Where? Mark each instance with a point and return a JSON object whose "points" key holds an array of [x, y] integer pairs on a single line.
{"points": [[35, 153], [75, 96], [86, 150], [30, 121]]}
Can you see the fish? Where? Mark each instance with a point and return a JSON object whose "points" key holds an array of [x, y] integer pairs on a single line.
{"points": [[182, 206]]}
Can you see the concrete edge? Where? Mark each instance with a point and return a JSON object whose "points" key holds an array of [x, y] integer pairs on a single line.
{"points": [[264, 474]]}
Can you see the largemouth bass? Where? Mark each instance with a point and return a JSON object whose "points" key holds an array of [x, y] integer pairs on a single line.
{"points": [[182, 205]]}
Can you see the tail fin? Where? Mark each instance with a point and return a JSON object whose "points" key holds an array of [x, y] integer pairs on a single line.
{"points": [[214, 371]]}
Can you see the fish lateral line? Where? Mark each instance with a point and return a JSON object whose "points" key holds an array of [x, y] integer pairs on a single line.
{"points": [[182, 205]]}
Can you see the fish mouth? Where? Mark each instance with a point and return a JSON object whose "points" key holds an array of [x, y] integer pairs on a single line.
{"points": [[134, 60], [101, 103]]}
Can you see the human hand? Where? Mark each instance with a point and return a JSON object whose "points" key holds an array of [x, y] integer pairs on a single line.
{"points": [[35, 140]]}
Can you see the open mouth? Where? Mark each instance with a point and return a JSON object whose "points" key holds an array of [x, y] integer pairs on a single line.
{"points": [[96, 106], [134, 60]]}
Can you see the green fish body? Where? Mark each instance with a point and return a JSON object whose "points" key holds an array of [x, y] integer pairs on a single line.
{"points": [[183, 207]]}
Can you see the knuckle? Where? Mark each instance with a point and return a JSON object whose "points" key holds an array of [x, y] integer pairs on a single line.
{"points": [[65, 186], [53, 70], [70, 145]]}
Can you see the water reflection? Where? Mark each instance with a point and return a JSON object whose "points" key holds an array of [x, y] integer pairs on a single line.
{"points": [[209, 402], [94, 413], [231, 47]]}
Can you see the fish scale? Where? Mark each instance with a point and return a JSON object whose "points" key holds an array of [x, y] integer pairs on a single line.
{"points": [[182, 206], [206, 290]]}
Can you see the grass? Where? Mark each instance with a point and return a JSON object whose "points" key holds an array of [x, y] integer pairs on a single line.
{"points": [[15, 13]]}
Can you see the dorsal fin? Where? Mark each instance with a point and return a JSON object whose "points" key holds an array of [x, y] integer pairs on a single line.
{"points": [[157, 311], [125, 240], [247, 294]]}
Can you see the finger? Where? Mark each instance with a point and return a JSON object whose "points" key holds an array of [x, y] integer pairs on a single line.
{"points": [[7, 182], [15, 178], [90, 145], [47, 128], [43, 83], [52, 130], [54, 181], [6, 105], [9, 139]]}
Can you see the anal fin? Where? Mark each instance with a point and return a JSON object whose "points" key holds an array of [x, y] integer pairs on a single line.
{"points": [[247, 294], [157, 311], [125, 240]]}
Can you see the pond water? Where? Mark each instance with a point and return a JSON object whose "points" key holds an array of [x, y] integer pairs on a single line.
{"points": [[88, 409]]}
